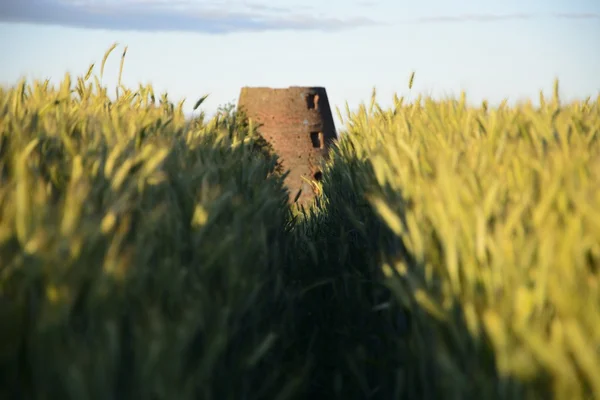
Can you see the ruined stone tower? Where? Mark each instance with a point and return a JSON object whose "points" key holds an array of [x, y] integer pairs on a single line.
{"points": [[297, 122]]}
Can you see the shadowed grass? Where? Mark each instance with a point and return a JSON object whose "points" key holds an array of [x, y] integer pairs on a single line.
{"points": [[453, 252]]}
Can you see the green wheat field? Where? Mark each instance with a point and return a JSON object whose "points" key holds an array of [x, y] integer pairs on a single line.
{"points": [[453, 252]]}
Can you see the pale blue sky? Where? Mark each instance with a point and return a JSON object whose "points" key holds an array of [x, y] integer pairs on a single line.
{"points": [[189, 48]]}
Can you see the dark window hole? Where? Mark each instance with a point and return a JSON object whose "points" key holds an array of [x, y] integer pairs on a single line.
{"points": [[316, 139], [312, 101]]}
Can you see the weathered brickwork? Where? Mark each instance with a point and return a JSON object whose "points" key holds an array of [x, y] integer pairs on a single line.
{"points": [[297, 122]]}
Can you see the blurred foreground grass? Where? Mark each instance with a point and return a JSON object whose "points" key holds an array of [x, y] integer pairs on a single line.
{"points": [[453, 252]]}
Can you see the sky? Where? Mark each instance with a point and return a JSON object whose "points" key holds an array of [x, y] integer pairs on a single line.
{"points": [[493, 50]]}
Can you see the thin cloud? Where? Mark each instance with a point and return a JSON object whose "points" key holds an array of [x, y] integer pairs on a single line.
{"points": [[210, 16], [473, 17], [157, 15], [265, 7], [577, 15], [499, 17], [366, 3]]}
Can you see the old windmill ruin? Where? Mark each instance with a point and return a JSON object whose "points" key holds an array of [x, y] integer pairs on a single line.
{"points": [[298, 124]]}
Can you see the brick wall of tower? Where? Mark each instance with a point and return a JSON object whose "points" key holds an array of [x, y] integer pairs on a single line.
{"points": [[298, 123]]}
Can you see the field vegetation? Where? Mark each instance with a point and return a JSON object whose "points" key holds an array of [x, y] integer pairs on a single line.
{"points": [[453, 252]]}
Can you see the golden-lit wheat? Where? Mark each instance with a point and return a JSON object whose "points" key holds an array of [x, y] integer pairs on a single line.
{"points": [[453, 251], [498, 211]]}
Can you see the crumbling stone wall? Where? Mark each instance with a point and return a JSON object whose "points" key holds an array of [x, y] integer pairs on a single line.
{"points": [[298, 123]]}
